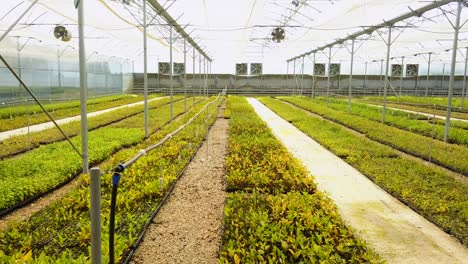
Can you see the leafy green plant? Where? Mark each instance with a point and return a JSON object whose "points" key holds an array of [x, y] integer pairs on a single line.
{"points": [[60, 232], [16, 117], [22, 143], [451, 156], [429, 190], [48, 166], [275, 214]]}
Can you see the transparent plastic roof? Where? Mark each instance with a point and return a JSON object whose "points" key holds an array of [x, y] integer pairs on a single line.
{"points": [[240, 31]]}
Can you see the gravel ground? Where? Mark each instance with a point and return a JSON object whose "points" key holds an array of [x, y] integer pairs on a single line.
{"points": [[188, 227], [396, 232]]}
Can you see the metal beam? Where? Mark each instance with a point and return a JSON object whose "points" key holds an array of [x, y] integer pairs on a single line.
{"points": [[171, 21], [369, 30]]}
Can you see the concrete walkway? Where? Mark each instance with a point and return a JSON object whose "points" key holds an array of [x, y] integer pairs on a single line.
{"points": [[39, 127], [396, 232]]}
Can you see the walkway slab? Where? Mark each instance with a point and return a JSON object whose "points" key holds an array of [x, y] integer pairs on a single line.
{"points": [[396, 232], [39, 127]]}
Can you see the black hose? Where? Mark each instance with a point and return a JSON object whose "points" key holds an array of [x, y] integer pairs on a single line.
{"points": [[115, 185]]}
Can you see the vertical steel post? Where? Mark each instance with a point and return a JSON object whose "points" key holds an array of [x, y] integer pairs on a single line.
{"points": [[200, 82], [287, 76], [365, 79], [171, 67], [381, 73], [452, 70], [328, 76], [95, 212], [193, 76], [295, 77], [19, 67], [386, 82], [351, 75], [464, 80], [401, 75], [84, 89], [185, 75], [428, 73], [302, 79], [145, 67], [314, 78], [59, 70]]}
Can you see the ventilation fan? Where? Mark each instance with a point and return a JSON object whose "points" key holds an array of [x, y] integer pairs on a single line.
{"points": [[60, 32], [396, 70], [278, 35], [164, 68], [256, 69], [179, 68], [319, 69], [412, 70], [241, 69], [295, 3], [334, 69]]}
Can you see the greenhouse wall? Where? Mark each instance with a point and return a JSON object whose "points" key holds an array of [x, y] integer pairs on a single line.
{"points": [[39, 68], [437, 85]]}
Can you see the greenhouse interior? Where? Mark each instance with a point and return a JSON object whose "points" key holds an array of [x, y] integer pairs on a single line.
{"points": [[248, 131]]}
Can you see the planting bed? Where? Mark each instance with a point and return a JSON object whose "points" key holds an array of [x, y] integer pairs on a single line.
{"points": [[430, 191], [60, 233], [274, 213], [40, 170], [451, 156], [17, 116], [22, 143]]}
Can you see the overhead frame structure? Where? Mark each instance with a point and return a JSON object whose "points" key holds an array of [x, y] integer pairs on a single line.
{"points": [[390, 24], [370, 30], [172, 22]]}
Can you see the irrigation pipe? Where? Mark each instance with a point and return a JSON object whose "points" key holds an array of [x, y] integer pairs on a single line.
{"points": [[119, 169], [39, 103]]}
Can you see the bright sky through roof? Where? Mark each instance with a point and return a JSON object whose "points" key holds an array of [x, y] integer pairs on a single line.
{"points": [[240, 31]]}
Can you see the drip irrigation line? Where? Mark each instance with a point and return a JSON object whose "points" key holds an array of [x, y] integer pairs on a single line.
{"points": [[26, 202], [161, 204], [40, 104], [119, 169], [92, 129]]}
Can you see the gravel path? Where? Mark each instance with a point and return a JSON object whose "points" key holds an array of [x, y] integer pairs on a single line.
{"points": [[396, 232], [39, 127], [188, 227]]}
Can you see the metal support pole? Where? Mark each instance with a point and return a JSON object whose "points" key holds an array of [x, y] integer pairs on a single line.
{"points": [[386, 82], [328, 76], [200, 81], [302, 79], [295, 77], [205, 76], [287, 76], [365, 79], [464, 80], [193, 76], [351, 76], [185, 75], [95, 211], [171, 67], [19, 69], [145, 66], [84, 89], [381, 73], [452, 71], [428, 73], [59, 69], [314, 78], [401, 75]]}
